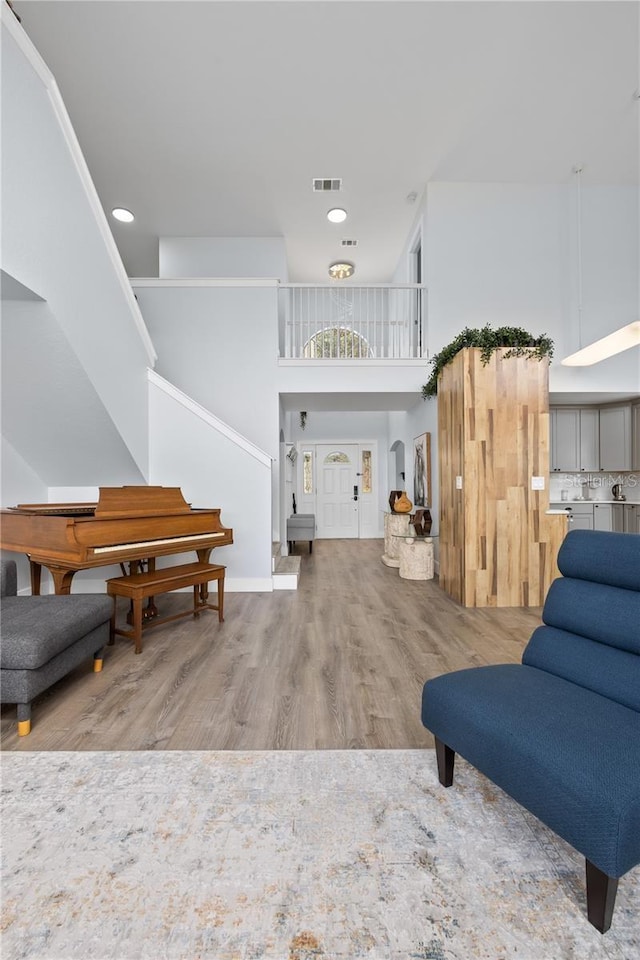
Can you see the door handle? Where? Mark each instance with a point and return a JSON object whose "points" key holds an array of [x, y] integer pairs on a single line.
{"points": [[355, 491]]}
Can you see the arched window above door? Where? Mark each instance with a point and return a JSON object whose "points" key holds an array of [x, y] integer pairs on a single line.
{"points": [[337, 342], [337, 457]]}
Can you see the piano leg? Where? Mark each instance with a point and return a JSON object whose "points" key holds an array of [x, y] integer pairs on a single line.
{"points": [[36, 577], [203, 557], [62, 578], [150, 612]]}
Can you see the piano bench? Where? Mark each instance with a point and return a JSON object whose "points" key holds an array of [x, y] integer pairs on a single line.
{"points": [[140, 586]]}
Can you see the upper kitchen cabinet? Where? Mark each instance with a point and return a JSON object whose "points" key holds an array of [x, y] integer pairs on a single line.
{"points": [[575, 439], [635, 436], [615, 438]]}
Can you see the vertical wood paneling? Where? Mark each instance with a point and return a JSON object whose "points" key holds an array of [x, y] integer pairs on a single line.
{"points": [[498, 547]]}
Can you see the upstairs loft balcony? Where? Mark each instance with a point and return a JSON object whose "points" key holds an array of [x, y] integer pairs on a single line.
{"points": [[336, 322]]}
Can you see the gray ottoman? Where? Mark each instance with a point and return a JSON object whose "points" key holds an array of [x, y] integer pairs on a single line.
{"points": [[44, 638], [301, 526]]}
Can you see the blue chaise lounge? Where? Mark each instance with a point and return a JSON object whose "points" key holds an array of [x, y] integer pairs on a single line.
{"points": [[560, 732]]}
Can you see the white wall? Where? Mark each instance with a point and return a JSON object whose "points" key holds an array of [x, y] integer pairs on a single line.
{"points": [[212, 471], [55, 240], [218, 345], [421, 418], [20, 484], [223, 257], [51, 412], [505, 254]]}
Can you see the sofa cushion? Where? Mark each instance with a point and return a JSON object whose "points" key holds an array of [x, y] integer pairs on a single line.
{"points": [[611, 558], [610, 615], [565, 753], [35, 629], [605, 670]]}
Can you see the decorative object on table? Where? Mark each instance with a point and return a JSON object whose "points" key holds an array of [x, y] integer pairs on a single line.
{"points": [[520, 343], [421, 522], [422, 470], [403, 504], [393, 496]]}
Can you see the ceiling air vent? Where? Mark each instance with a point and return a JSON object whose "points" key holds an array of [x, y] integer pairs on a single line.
{"points": [[322, 185], [348, 243]]}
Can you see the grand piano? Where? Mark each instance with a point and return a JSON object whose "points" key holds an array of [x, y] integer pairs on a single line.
{"points": [[125, 525]]}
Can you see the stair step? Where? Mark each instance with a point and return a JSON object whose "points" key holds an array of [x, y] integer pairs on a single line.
{"points": [[286, 573]]}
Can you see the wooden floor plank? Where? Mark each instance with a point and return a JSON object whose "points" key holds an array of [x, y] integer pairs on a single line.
{"points": [[339, 663]]}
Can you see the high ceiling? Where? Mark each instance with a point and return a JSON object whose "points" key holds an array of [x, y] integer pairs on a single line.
{"points": [[212, 118]]}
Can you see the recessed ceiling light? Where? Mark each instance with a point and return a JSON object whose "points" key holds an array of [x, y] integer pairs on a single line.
{"points": [[121, 214], [341, 270], [337, 215]]}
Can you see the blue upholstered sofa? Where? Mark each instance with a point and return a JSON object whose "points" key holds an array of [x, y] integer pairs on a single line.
{"points": [[560, 732]]}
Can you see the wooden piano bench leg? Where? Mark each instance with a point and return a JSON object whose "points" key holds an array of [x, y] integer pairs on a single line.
{"points": [[137, 625], [197, 602], [221, 599]]}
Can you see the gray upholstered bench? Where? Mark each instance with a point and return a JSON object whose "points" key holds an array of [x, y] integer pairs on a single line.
{"points": [[44, 638], [301, 526]]}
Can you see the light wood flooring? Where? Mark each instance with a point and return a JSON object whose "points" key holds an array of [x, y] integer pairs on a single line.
{"points": [[339, 663]]}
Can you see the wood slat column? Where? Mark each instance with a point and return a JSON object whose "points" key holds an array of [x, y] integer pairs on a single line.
{"points": [[498, 547]]}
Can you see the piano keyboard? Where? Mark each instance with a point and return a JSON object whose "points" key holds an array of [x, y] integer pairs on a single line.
{"points": [[118, 547]]}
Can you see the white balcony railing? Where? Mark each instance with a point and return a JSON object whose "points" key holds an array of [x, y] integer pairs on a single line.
{"points": [[344, 322]]}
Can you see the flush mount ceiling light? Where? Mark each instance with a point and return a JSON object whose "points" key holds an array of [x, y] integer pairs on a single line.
{"points": [[622, 339], [337, 215], [120, 213], [341, 270]]}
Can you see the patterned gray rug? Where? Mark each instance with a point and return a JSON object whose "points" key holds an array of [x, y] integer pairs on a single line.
{"points": [[331, 855]]}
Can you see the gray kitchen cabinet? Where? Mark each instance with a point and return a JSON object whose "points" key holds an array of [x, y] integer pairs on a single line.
{"points": [[602, 516], [617, 517], [615, 437], [581, 517], [631, 518], [565, 439], [635, 436], [575, 439], [589, 439]]}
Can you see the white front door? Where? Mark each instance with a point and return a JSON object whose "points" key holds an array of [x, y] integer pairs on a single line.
{"points": [[337, 503]]}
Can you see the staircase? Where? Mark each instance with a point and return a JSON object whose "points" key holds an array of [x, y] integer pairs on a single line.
{"points": [[285, 570]]}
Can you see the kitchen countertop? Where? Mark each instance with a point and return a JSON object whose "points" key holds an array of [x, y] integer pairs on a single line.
{"points": [[568, 503]]}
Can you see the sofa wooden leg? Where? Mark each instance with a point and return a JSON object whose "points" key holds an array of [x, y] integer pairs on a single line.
{"points": [[601, 897], [446, 759]]}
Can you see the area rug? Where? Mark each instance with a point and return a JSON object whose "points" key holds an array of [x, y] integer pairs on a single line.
{"points": [[332, 855]]}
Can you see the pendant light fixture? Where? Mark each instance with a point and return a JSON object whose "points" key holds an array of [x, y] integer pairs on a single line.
{"points": [[614, 343]]}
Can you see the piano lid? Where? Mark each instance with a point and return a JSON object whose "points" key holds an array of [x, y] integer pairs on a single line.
{"points": [[117, 502]]}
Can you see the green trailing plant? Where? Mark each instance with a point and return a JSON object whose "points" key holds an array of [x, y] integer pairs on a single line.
{"points": [[519, 341]]}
